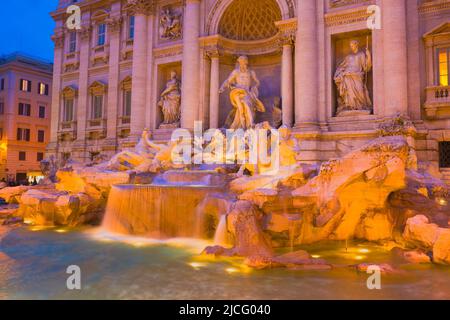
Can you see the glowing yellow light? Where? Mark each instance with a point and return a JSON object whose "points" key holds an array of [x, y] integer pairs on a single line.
{"points": [[231, 270], [28, 221], [364, 250], [37, 228], [359, 257], [197, 265], [138, 244], [61, 231], [442, 202], [315, 256]]}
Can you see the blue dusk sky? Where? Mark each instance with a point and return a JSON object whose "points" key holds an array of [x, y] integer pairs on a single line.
{"points": [[26, 26]]}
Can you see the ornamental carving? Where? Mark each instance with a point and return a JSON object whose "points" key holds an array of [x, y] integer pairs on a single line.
{"points": [[145, 7], [170, 24], [114, 24], [85, 32], [58, 40]]}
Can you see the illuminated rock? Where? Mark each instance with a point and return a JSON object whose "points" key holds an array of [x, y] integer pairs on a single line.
{"points": [[441, 249], [419, 231], [350, 188], [13, 194]]}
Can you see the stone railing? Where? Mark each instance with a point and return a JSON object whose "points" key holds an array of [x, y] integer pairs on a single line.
{"points": [[437, 105]]}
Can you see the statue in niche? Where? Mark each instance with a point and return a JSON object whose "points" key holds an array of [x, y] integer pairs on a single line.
{"points": [[277, 113], [170, 25], [243, 84], [351, 82], [170, 102]]}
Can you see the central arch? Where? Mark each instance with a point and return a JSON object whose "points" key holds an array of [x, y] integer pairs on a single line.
{"points": [[248, 20], [285, 7]]}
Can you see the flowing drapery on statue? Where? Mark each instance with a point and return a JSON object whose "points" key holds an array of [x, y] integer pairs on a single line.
{"points": [[350, 79], [170, 102], [243, 84]]}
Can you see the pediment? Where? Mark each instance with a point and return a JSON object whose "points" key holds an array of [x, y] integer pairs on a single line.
{"points": [[439, 30]]}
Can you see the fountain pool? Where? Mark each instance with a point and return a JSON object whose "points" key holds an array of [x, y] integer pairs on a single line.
{"points": [[33, 262]]}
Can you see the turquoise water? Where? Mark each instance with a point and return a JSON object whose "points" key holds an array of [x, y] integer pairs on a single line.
{"points": [[33, 265]]}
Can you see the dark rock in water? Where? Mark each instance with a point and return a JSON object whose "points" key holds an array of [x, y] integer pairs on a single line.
{"points": [[247, 172], [12, 221]]}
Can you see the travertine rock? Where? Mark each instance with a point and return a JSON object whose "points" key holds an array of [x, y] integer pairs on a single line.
{"points": [[13, 194], [352, 188], [441, 249], [421, 232]]}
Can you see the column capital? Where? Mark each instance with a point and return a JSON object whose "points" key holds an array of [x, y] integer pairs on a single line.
{"points": [[185, 2], [114, 24], [142, 7], [58, 40], [85, 32], [212, 52]]}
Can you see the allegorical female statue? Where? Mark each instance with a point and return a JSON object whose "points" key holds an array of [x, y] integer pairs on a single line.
{"points": [[244, 93], [350, 79], [170, 102]]}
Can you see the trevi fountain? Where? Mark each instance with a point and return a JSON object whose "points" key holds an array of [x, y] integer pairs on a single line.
{"points": [[184, 220]]}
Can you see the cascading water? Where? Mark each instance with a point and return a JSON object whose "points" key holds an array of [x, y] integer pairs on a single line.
{"points": [[161, 210], [221, 237]]}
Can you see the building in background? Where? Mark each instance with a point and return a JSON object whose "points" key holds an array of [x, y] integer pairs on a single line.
{"points": [[110, 74], [25, 102]]}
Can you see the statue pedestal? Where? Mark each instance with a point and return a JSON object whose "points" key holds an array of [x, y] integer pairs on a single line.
{"points": [[169, 126], [353, 113]]}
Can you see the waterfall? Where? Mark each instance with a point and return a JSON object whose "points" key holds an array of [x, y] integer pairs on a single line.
{"points": [[221, 237], [156, 211]]}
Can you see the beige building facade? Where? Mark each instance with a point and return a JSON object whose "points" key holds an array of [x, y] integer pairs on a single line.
{"points": [[25, 111], [342, 69]]}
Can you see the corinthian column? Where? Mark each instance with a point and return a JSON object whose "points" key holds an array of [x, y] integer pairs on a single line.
{"points": [[140, 9], [306, 66], [214, 89], [395, 57], [190, 92], [58, 39], [114, 26], [287, 81]]}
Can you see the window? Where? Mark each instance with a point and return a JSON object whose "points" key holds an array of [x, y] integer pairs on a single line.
{"points": [[97, 107], [2, 84], [127, 103], [42, 112], [131, 28], [24, 109], [444, 154], [22, 156], [23, 134], [2, 107], [43, 89], [444, 66], [25, 85], [101, 34], [40, 156], [68, 110], [41, 135], [72, 42]]}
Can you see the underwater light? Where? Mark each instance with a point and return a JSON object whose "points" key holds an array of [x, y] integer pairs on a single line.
{"points": [[231, 270], [197, 265], [364, 250], [315, 256]]}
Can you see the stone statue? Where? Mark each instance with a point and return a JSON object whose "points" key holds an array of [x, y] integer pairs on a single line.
{"points": [[49, 167], [243, 84], [277, 113], [170, 25], [170, 103], [350, 79]]}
